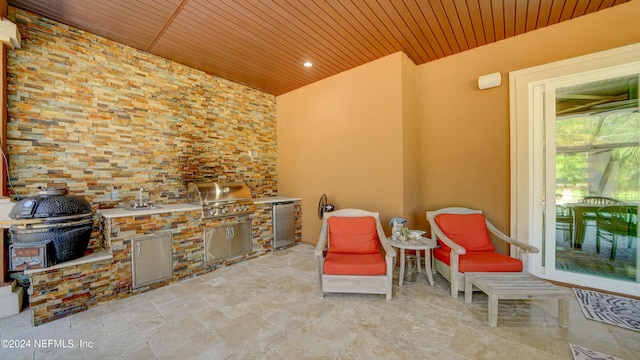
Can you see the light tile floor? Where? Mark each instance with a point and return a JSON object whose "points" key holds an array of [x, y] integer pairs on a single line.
{"points": [[269, 308]]}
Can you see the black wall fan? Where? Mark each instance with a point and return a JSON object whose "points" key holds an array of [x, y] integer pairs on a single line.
{"points": [[323, 206]]}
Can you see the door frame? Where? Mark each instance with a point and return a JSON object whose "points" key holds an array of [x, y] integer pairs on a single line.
{"points": [[526, 158]]}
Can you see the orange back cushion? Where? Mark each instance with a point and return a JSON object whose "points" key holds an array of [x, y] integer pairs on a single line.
{"points": [[354, 235], [466, 230]]}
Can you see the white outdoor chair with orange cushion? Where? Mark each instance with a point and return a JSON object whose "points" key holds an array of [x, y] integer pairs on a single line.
{"points": [[348, 253], [465, 246]]}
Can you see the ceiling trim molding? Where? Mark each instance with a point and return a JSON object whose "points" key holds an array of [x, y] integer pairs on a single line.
{"points": [[166, 25]]}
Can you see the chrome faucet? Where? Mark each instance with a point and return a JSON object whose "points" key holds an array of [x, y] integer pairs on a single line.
{"points": [[141, 203]]}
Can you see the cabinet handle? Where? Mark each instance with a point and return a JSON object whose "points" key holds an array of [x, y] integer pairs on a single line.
{"points": [[233, 232], [138, 246]]}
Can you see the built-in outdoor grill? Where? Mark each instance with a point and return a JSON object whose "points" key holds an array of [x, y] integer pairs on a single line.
{"points": [[221, 199]]}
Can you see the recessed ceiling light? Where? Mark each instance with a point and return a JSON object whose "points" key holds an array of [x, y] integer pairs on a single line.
{"points": [[308, 64]]}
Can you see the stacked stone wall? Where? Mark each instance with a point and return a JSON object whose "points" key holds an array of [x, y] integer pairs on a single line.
{"points": [[104, 118]]}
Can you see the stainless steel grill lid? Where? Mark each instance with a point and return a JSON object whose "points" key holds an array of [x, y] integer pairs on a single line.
{"points": [[221, 199], [205, 193]]}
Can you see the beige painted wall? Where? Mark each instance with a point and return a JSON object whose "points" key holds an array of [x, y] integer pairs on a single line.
{"points": [[356, 135], [465, 158], [410, 126], [343, 136]]}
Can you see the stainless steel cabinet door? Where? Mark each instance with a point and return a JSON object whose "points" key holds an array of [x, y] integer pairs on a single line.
{"points": [[217, 246], [240, 238], [227, 240], [151, 259], [284, 224]]}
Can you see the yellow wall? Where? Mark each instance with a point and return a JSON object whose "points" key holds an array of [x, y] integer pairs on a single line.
{"points": [[410, 126], [402, 139], [343, 136]]}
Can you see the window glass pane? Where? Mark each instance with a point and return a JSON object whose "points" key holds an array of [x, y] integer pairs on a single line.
{"points": [[597, 133]]}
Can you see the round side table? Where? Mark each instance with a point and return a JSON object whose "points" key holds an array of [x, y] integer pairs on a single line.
{"points": [[423, 243]]}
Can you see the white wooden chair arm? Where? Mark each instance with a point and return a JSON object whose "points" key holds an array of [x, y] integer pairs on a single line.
{"points": [[526, 247], [388, 249], [321, 245], [455, 248]]}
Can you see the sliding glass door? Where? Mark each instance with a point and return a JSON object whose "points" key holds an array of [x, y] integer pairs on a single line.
{"points": [[588, 176]]}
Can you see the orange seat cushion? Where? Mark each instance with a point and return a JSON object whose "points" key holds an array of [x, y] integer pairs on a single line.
{"points": [[353, 235], [466, 230], [354, 264], [486, 261]]}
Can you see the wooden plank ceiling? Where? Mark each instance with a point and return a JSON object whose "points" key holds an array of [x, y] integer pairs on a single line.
{"points": [[264, 43]]}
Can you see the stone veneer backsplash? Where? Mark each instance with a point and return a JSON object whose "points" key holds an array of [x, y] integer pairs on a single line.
{"points": [[104, 118]]}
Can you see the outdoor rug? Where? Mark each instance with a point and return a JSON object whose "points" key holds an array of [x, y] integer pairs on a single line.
{"points": [[582, 353], [610, 309]]}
